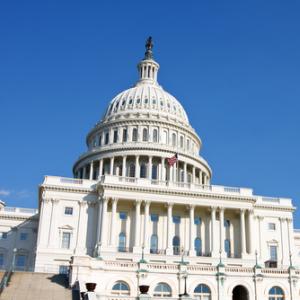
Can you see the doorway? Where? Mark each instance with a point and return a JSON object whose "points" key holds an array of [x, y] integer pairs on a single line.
{"points": [[240, 293]]}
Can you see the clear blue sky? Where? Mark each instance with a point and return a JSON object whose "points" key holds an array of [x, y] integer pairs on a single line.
{"points": [[234, 65]]}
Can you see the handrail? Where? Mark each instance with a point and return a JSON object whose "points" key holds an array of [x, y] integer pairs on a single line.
{"points": [[5, 280]]}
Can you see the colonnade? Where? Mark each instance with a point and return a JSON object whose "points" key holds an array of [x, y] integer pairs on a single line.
{"points": [[216, 235]]}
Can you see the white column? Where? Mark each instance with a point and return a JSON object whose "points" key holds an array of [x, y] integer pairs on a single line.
{"points": [[184, 172], [192, 231], [222, 228], [243, 233], [124, 166], [53, 230], [194, 175], [260, 218], [112, 159], [250, 230], [169, 250], [290, 235], [100, 167], [150, 168], [80, 248], [98, 237], [84, 172], [213, 243], [146, 226], [137, 167], [200, 177], [103, 237], [163, 169], [91, 170], [283, 251], [44, 223], [113, 222], [137, 227]]}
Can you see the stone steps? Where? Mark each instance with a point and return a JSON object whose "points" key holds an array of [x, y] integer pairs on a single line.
{"points": [[37, 286]]}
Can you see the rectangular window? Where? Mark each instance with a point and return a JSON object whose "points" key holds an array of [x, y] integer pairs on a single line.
{"points": [[271, 226], [125, 135], [273, 253], [123, 215], [154, 217], [3, 235], [106, 138], [100, 140], [188, 144], [23, 236], [66, 238], [176, 219], [1, 260], [20, 261], [115, 136], [69, 211]]}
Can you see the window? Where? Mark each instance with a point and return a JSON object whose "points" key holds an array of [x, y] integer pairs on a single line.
{"points": [[276, 293], [271, 226], [100, 140], [197, 221], [181, 142], [23, 236], [145, 135], [173, 139], [131, 170], [154, 217], [143, 171], [134, 134], [1, 260], [123, 215], [106, 138], [165, 137], [66, 237], [202, 292], [122, 242], [3, 235], [176, 219], [154, 172], [155, 136], [162, 290], [273, 253], [115, 136], [69, 211], [226, 223], [188, 144], [63, 269], [176, 245], [154, 244], [198, 246], [227, 247], [20, 261], [125, 135], [120, 288]]}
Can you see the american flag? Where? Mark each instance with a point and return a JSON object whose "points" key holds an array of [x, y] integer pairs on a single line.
{"points": [[172, 160]]}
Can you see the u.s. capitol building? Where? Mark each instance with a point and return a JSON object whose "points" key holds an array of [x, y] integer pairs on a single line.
{"points": [[141, 210]]}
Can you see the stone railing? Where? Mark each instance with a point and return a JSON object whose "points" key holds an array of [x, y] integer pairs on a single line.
{"points": [[20, 210]]}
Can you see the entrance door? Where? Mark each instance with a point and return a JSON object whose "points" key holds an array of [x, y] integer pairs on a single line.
{"points": [[240, 293]]}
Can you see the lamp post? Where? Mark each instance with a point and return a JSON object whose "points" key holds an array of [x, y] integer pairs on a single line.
{"points": [[13, 259]]}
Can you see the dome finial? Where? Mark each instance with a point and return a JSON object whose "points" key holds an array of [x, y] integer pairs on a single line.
{"points": [[149, 46]]}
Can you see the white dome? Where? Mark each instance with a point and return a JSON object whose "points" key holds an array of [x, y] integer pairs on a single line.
{"points": [[147, 97]]}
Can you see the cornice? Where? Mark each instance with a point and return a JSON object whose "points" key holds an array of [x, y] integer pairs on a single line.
{"points": [[273, 207], [34, 218], [68, 189]]}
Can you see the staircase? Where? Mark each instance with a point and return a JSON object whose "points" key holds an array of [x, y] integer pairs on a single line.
{"points": [[37, 286]]}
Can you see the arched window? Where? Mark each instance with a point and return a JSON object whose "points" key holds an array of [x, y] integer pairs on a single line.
{"points": [[134, 134], [276, 293], [202, 292], [131, 170], [198, 246], [181, 141], [145, 135], [154, 172], [227, 247], [165, 137], [226, 223], [122, 242], [176, 245], [162, 290], [120, 288], [173, 139], [155, 136], [143, 171], [154, 243]]}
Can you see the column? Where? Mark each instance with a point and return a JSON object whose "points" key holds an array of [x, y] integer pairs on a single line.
{"points": [[243, 233], [44, 223], [250, 231], [99, 222], [290, 235], [91, 170], [113, 222], [200, 177], [80, 248], [192, 231], [222, 233], [146, 226], [184, 172], [84, 172], [163, 169], [169, 250], [283, 252], [124, 166], [150, 168], [194, 175], [112, 166], [260, 218], [100, 167], [52, 237], [137, 167], [213, 243], [103, 237], [136, 248]]}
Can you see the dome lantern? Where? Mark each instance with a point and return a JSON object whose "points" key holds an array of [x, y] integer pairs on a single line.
{"points": [[148, 67]]}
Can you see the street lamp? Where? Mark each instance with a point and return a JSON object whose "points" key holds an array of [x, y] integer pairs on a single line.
{"points": [[13, 259]]}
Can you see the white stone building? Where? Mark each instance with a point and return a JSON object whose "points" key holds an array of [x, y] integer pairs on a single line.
{"points": [[129, 218]]}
